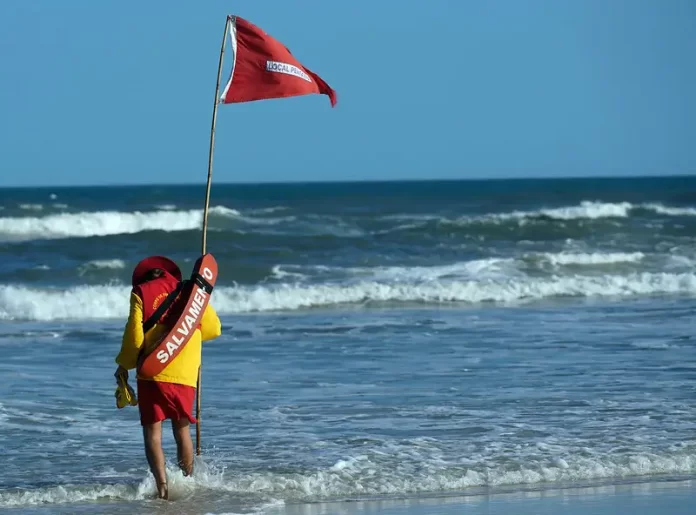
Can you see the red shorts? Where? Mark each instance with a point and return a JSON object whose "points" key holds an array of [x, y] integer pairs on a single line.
{"points": [[159, 401]]}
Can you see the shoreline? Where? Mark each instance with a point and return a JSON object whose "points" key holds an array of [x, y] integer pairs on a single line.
{"points": [[661, 497], [645, 495]]}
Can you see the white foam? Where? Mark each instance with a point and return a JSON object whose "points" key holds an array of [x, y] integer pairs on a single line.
{"points": [[103, 223], [587, 209], [477, 268], [671, 211], [113, 264], [77, 303], [222, 211], [676, 261], [652, 344], [167, 218], [262, 509], [31, 207], [594, 258], [365, 474], [265, 210], [267, 221], [278, 272], [145, 489], [374, 473], [98, 302], [68, 494], [180, 487]]}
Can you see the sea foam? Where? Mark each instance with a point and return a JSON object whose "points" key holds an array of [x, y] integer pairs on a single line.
{"points": [[368, 475], [104, 223], [167, 218], [107, 302]]}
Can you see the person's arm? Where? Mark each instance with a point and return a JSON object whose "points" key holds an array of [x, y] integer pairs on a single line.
{"points": [[211, 327], [132, 335]]}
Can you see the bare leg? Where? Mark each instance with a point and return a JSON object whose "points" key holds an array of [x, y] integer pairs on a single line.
{"points": [[184, 446], [152, 434]]}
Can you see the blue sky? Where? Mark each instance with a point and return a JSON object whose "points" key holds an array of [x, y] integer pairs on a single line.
{"points": [[113, 93]]}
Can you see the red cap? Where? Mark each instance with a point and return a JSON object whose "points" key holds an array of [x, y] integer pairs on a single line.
{"points": [[151, 262]]}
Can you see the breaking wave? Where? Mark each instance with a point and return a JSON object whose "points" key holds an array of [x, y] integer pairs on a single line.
{"points": [[167, 218], [113, 264], [595, 258], [594, 210], [586, 210], [108, 301], [104, 223], [369, 475]]}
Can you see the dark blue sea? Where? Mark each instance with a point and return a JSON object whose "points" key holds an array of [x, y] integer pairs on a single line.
{"points": [[380, 340]]}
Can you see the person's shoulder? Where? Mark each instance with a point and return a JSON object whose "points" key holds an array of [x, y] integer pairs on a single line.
{"points": [[135, 300], [210, 323]]}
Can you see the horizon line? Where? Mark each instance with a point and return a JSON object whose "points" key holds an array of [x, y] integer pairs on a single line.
{"points": [[355, 181]]}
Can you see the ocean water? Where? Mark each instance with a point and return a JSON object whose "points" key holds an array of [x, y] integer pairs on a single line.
{"points": [[380, 340]]}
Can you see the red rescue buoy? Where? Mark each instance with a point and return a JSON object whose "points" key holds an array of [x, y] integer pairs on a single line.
{"points": [[187, 311]]}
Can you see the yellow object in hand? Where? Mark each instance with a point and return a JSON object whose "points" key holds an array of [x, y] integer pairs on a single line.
{"points": [[124, 394]]}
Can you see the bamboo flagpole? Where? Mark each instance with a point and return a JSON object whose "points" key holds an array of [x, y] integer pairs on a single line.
{"points": [[205, 215], [263, 68]]}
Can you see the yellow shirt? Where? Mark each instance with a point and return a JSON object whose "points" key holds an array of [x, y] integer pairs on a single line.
{"points": [[183, 369]]}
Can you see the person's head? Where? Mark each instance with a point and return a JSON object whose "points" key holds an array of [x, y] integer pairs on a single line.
{"points": [[150, 275], [154, 267]]}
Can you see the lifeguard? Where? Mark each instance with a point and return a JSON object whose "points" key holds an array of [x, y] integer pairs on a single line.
{"points": [[170, 316]]}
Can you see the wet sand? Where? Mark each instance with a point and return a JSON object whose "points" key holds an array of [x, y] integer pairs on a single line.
{"points": [[656, 498]]}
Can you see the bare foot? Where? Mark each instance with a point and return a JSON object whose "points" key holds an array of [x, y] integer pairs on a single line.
{"points": [[163, 491], [186, 468]]}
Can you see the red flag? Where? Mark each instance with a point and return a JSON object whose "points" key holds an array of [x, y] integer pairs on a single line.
{"points": [[264, 68]]}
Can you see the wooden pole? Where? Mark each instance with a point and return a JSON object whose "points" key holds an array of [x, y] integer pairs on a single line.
{"points": [[205, 215]]}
